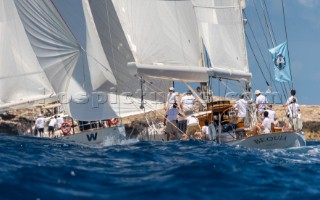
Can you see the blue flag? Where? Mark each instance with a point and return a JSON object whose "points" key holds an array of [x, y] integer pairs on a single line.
{"points": [[281, 62]]}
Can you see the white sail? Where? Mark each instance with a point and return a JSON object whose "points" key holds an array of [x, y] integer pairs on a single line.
{"points": [[221, 28], [119, 54], [76, 67], [162, 35], [22, 79]]}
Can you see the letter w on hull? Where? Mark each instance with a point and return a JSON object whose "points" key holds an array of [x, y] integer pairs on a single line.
{"points": [[92, 137]]}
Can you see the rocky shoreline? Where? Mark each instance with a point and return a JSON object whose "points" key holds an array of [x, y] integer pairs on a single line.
{"points": [[11, 123]]}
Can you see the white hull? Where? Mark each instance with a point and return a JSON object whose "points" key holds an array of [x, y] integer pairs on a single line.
{"points": [[272, 141], [98, 136]]}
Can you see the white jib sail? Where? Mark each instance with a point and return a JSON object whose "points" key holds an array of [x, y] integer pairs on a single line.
{"points": [[126, 100], [76, 66], [221, 28], [22, 79]]}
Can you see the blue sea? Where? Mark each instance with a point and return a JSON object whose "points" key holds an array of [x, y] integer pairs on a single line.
{"points": [[38, 168]]}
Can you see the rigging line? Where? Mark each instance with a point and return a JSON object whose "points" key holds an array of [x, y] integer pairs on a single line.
{"points": [[272, 36], [268, 16], [264, 33], [265, 62], [285, 29], [267, 24], [283, 86], [257, 60], [256, 41]]}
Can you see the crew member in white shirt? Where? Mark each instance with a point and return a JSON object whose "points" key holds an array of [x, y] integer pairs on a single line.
{"points": [[272, 114], [293, 93], [241, 107], [170, 121], [265, 126], [192, 126], [187, 103], [261, 102], [60, 120], [51, 126], [40, 125], [171, 98], [294, 115]]}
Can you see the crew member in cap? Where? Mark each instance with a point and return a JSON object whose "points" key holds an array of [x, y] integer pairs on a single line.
{"points": [[261, 102], [187, 103], [171, 98]]}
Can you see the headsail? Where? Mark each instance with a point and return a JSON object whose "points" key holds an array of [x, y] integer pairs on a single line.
{"points": [[163, 37], [221, 28], [22, 79], [76, 66], [119, 54]]}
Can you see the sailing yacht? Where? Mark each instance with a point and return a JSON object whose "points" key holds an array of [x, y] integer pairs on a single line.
{"points": [[82, 55], [115, 58], [169, 40]]}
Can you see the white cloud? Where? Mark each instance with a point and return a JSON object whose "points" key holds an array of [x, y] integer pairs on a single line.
{"points": [[309, 3]]}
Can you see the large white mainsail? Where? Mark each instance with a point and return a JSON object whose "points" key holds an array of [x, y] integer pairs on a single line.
{"points": [[22, 80], [221, 28], [163, 37], [76, 67]]}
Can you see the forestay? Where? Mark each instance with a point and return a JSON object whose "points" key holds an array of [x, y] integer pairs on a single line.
{"points": [[22, 79], [75, 65], [221, 28]]}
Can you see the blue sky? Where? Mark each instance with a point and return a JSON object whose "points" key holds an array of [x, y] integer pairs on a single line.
{"points": [[303, 28]]}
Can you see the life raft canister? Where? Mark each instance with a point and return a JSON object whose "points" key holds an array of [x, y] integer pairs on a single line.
{"points": [[113, 121], [65, 128]]}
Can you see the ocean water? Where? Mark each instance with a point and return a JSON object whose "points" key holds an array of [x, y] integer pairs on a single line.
{"points": [[38, 168]]}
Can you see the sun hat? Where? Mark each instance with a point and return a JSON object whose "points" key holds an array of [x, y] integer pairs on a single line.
{"points": [[257, 92]]}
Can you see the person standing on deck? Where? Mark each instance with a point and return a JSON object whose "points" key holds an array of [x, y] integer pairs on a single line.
{"points": [[171, 127], [171, 98], [187, 103], [60, 120], [52, 125], [289, 101], [40, 125], [294, 115], [241, 106], [261, 102]]}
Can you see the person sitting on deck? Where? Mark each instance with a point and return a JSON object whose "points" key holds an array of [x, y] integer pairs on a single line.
{"points": [[272, 114], [265, 127], [171, 127]]}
